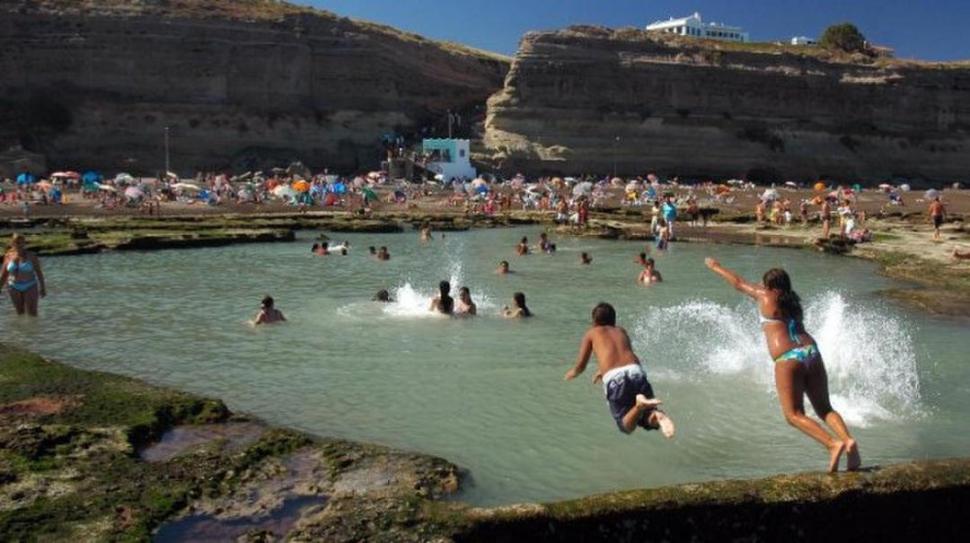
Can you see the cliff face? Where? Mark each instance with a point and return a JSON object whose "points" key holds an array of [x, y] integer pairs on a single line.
{"points": [[245, 82], [576, 100]]}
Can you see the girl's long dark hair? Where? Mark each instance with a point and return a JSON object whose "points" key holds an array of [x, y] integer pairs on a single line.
{"points": [[788, 301], [519, 299]]}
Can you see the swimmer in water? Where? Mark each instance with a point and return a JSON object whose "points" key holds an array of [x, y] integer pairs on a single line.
{"points": [[585, 259], [465, 305], [503, 268], [799, 369], [372, 251], [426, 232], [518, 310], [383, 296], [443, 303], [321, 249], [268, 314], [649, 274], [522, 248], [543, 245], [641, 259], [628, 392], [382, 254]]}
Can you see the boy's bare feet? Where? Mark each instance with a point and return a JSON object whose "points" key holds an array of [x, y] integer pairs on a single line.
{"points": [[649, 403], [853, 461], [664, 423], [835, 454]]}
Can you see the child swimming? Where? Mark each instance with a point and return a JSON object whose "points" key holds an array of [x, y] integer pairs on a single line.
{"points": [[628, 392], [503, 268], [649, 274], [465, 306], [268, 314], [585, 259], [519, 309]]}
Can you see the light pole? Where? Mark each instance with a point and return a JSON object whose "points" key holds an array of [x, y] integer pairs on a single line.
{"points": [[167, 165], [616, 143]]}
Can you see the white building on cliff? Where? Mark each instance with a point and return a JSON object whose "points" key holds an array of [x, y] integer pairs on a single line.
{"points": [[694, 26]]}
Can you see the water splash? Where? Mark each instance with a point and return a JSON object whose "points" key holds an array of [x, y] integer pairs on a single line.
{"points": [[868, 354]]}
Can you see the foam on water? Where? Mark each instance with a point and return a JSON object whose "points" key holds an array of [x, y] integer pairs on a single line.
{"points": [[869, 356]]}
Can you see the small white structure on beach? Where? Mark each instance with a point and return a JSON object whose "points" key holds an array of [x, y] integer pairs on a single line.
{"points": [[803, 40], [694, 26], [450, 158]]}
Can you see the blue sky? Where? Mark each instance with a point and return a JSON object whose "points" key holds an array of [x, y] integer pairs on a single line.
{"points": [[925, 29]]}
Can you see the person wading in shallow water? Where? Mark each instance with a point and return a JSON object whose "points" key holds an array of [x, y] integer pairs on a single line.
{"points": [[23, 276], [799, 369]]}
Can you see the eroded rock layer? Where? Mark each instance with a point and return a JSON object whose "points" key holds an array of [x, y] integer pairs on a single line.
{"points": [[94, 83], [583, 99]]}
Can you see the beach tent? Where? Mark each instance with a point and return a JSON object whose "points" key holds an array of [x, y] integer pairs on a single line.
{"points": [[26, 178]]}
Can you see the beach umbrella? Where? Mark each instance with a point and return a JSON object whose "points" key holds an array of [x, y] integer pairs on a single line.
{"points": [[885, 187], [633, 186], [186, 187], [283, 191], [91, 177], [301, 186], [107, 188], [791, 184], [26, 178], [769, 195], [820, 186], [134, 193], [904, 187], [584, 188], [124, 178], [931, 194]]}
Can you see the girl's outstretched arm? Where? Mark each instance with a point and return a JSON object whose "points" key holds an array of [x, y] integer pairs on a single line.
{"points": [[733, 278]]}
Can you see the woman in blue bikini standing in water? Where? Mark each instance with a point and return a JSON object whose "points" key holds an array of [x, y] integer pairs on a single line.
{"points": [[799, 369], [23, 276]]}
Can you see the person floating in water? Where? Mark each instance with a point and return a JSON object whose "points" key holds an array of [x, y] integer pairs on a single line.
{"points": [[628, 392], [649, 274], [382, 254], [443, 303], [799, 369], [465, 305], [522, 248], [383, 296], [518, 310], [585, 259], [22, 274], [268, 314], [503, 268]]}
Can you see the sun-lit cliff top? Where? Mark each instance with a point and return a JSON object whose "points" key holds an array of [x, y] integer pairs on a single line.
{"points": [[878, 57], [235, 10]]}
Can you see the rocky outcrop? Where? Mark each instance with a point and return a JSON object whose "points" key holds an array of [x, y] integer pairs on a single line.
{"points": [[585, 99], [247, 83], [896, 503]]}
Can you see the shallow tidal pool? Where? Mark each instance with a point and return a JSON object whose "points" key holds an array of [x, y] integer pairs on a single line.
{"points": [[487, 393]]}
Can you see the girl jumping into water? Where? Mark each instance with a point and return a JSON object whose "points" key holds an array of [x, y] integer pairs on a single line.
{"points": [[799, 369]]}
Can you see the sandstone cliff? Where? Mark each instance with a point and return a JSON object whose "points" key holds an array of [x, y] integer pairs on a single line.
{"points": [[93, 83], [579, 99]]}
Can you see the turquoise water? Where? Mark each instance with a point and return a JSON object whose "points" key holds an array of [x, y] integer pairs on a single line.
{"points": [[487, 393]]}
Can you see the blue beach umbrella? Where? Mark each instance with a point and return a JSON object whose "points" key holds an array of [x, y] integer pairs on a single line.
{"points": [[26, 178], [91, 177]]}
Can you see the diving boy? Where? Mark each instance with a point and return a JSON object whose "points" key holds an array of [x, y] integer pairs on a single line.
{"points": [[628, 392]]}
